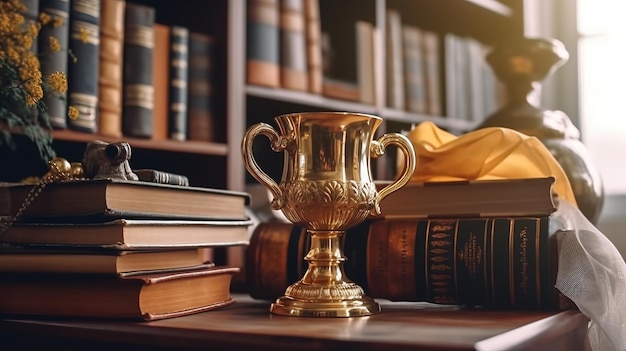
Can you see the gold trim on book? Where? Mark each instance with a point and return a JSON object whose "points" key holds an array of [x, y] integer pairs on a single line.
{"points": [[538, 287], [55, 12], [178, 83], [180, 31], [179, 48], [85, 32], [87, 7], [139, 95], [511, 263], [140, 35]]}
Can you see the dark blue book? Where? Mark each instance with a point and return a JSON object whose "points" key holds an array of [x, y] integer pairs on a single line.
{"points": [[138, 76], [83, 70], [52, 59]]}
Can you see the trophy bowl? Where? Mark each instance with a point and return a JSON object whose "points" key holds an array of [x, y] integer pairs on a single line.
{"points": [[326, 187]]}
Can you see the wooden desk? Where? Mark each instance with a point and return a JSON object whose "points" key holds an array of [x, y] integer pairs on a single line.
{"points": [[247, 324]]}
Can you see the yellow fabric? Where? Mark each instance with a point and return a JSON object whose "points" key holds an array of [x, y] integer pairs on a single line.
{"points": [[488, 153]]}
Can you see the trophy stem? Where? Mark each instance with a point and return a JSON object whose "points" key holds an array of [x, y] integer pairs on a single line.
{"points": [[324, 290]]}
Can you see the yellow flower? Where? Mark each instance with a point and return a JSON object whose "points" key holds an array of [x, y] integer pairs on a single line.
{"points": [[58, 21], [44, 18], [83, 35], [54, 43], [72, 112], [58, 82]]}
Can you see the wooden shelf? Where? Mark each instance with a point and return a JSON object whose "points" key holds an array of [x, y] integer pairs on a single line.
{"points": [[304, 98], [195, 147]]}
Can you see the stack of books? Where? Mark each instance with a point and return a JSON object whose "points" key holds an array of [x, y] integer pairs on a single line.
{"points": [[118, 249], [486, 243]]}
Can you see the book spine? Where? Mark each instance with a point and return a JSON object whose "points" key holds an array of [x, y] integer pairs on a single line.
{"points": [[178, 90], [262, 43], [293, 54], [393, 59], [432, 57], [498, 263], [200, 122], [111, 67], [160, 72], [83, 71], [415, 94], [138, 79], [53, 57], [313, 33], [365, 62]]}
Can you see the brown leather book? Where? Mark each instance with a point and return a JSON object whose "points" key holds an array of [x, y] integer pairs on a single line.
{"points": [[111, 61], [293, 53], [498, 263], [200, 102], [262, 43], [161, 69], [141, 297], [313, 34]]}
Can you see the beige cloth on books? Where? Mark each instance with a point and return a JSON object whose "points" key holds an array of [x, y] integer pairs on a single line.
{"points": [[592, 273]]}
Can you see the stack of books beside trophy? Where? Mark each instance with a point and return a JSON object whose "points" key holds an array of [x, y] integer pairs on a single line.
{"points": [[115, 248]]}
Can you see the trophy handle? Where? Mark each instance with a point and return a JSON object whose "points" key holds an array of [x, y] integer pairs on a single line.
{"points": [[278, 144], [378, 149]]}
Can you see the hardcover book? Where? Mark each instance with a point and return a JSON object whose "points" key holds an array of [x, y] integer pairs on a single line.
{"points": [[366, 76], [469, 198], [498, 263], [69, 259], [54, 61], [263, 43], [414, 77], [132, 234], [178, 80], [161, 74], [393, 61], [313, 33], [200, 98], [139, 297], [83, 72], [114, 198], [110, 81], [293, 53], [138, 79]]}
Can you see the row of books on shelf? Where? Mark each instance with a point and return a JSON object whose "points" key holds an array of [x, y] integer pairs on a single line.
{"points": [[118, 249], [131, 76], [90, 249], [287, 48]]}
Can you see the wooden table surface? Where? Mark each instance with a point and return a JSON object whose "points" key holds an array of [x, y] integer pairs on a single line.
{"points": [[247, 324]]}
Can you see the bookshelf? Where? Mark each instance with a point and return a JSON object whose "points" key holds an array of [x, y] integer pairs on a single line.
{"points": [[238, 105]]}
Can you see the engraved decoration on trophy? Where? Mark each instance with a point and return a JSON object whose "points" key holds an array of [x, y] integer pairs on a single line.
{"points": [[326, 187]]}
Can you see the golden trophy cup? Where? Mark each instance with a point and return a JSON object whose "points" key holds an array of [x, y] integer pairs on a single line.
{"points": [[326, 187]]}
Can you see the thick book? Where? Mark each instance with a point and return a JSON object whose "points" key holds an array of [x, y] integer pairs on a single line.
{"points": [[293, 53], [161, 74], [132, 234], [138, 79], [70, 259], [393, 60], [178, 80], [366, 72], [201, 82], [263, 43], [313, 33], [53, 60], [141, 297], [111, 66], [496, 263], [433, 79], [124, 198], [84, 70], [414, 76], [470, 198]]}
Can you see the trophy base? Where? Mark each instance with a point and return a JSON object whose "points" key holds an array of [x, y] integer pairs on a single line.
{"points": [[356, 305]]}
